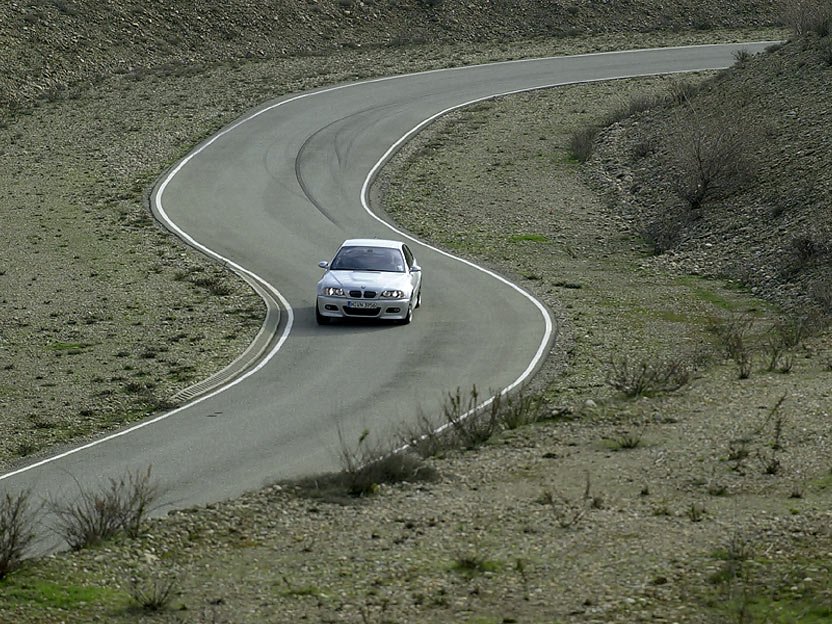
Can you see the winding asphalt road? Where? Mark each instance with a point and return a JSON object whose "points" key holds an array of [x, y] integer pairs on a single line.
{"points": [[271, 196]]}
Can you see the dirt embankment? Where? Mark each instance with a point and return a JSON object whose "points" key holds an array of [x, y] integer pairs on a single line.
{"points": [[50, 47]]}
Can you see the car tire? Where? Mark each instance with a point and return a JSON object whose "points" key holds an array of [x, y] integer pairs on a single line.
{"points": [[320, 318], [408, 317], [419, 298]]}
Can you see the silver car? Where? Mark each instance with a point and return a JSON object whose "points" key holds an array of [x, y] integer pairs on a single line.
{"points": [[369, 278]]}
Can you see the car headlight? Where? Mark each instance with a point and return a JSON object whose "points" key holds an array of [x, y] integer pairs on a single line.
{"points": [[331, 291], [392, 294]]}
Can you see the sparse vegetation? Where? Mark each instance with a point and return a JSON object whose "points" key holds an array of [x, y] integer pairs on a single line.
{"points": [[582, 142], [474, 563], [365, 467], [808, 16], [734, 338], [647, 377], [95, 515], [710, 156], [18, 521], [153, 588]]}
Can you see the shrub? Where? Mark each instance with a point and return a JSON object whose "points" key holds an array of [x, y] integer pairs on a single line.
{"points": [[638, 103], [780, 339], [467, 424], [425, 439], [806, 249], [471, 564], [733, 336], [807, 16], [820, 290], [363, 469], [681, 92], [214, 284], [517, 411], [664, 230], [391, 468], [152, 591], [710, 156], [628, 440], [96, 515], [582, 143], [734, 556], [17, 522], [647, 377]]}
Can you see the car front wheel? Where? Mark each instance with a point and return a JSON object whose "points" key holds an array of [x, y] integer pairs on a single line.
{"points": [[408, 317]]}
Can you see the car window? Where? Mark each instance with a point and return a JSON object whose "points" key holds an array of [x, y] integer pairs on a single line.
{"points": [[368, 259]]}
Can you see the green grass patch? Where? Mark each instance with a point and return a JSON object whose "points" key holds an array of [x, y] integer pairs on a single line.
{"points": [[822, 484], [474, 565], [762, 607], [19, 590], [718, 295], [303, 590]]}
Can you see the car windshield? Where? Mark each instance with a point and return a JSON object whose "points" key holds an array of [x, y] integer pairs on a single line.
{"points": [[368, 259]]}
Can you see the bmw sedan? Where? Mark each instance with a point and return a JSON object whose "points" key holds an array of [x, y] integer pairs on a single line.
{"points": [[369, 278]]}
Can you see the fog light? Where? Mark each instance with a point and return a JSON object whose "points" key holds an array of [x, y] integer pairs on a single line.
{"points": [[393, 310], [330, 307]]}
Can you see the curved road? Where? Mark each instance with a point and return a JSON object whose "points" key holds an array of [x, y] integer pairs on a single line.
{"points": [[275, 193]]}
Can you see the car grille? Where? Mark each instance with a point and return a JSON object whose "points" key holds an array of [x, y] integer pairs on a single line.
{"points": [[367, 294]]}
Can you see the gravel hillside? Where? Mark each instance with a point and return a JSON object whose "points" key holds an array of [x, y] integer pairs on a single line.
{"points": [[50, 47]]}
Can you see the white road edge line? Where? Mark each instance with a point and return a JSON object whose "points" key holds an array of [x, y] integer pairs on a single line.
{"points": [[160, 211]]}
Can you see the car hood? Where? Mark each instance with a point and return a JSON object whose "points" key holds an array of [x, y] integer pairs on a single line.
{"points": [[377, 280]]}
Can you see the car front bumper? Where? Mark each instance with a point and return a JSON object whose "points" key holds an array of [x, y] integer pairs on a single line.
{"points": [[341, 307]]}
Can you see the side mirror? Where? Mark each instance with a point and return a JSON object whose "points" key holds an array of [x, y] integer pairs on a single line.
{"points": [[415, 268], [323, 264]]}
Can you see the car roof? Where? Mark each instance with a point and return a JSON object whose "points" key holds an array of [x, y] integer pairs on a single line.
{"points": [[371, 242]]}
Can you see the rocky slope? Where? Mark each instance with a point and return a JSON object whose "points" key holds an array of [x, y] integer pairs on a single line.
{"points": [[50, 47], [763, 129]]}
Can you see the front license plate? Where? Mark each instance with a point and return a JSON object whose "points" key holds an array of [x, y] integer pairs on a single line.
{"points": [[361, 304]]}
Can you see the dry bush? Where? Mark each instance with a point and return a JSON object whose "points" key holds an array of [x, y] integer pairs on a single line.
{"points": [[807, 16], [517, 411], [96, 515], [820, 290], [646, 377], [17, 529], [425, 438], [783, 337], [638, 103], [364, 467], [469, 424], [709, 154], [664, 230], [153, 590], [391, 468], [734, 337], [582, 143]]}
